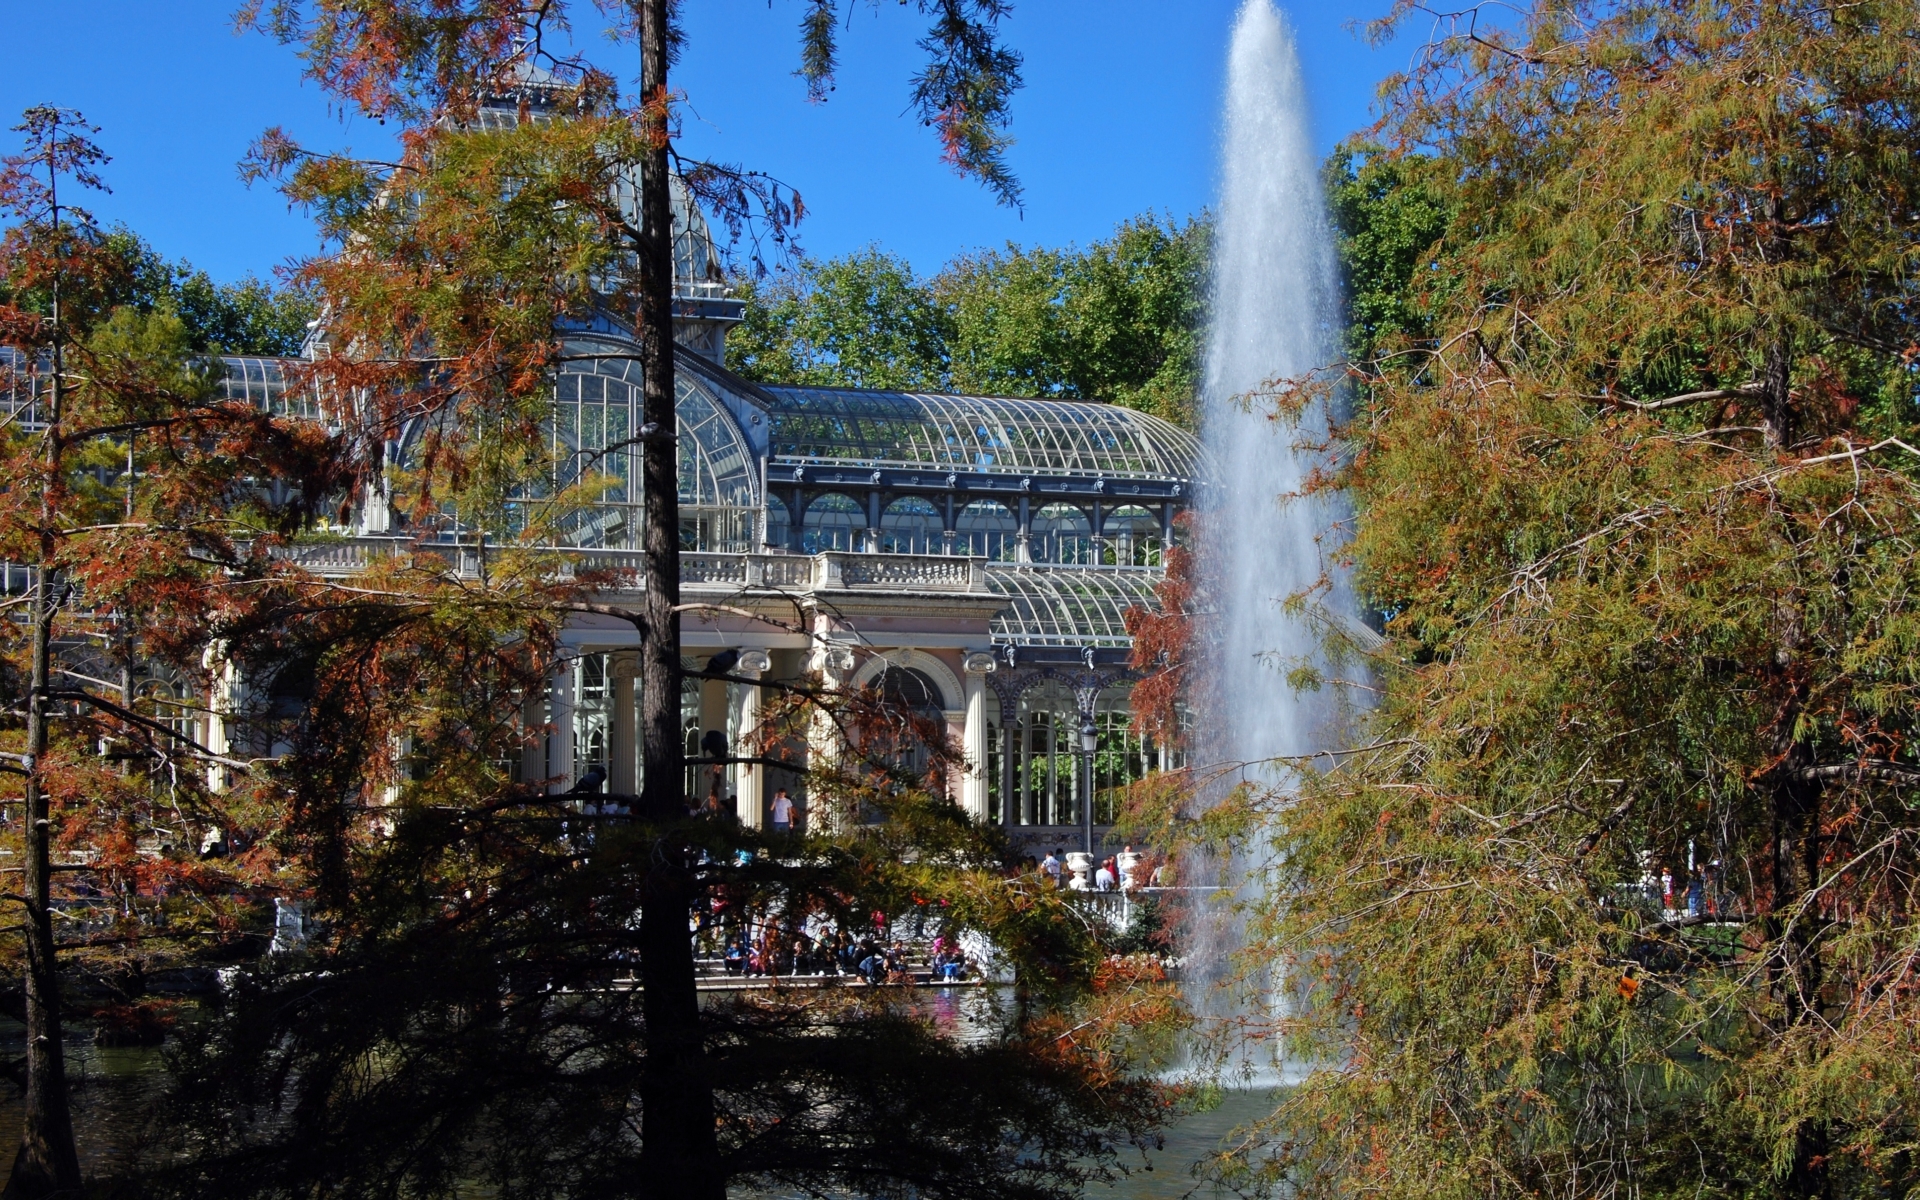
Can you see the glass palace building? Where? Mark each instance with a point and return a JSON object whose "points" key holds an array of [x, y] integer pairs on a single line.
{"points": [[975, 555]]}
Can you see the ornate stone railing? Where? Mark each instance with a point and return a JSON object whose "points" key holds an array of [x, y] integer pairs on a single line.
{"points": [[832, 571], [901, 572]]}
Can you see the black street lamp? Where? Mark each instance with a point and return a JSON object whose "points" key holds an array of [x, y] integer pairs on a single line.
{"points": [[1088, 695], [1089, 743]]}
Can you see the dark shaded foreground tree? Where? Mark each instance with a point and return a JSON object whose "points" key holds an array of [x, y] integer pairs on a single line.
{"points": [[461, 1011], [1634, 458], [478, 1017], [140, 503]]}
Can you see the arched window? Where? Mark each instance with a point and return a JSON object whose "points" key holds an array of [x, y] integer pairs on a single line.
{"points": [[986, 529], [1061, 533], [779, 522], [834, 522], [1133, 539], [911, 717], [596, 412], [911, 525], [913, 689]]}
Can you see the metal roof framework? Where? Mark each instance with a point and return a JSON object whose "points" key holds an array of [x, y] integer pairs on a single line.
{"points": [[978, 434], [1059, 606]]}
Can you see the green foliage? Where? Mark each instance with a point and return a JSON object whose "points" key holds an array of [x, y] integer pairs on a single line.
{"points": [[1118, 321], [1633, 296], [1389, 221], [864, 320], [248, 317]]}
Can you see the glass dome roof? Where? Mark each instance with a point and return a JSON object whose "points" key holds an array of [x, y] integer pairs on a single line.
{"points": [[1056, 606], [697, 266], [978, 433]]}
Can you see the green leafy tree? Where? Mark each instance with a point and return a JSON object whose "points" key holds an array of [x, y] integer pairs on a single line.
{"points": [[1637, 489], [248, 317], [1390, 223], [861, 321], [1119, 321]]}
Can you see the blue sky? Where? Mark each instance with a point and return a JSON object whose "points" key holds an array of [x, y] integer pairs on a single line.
{"points": [[1118, 116]]}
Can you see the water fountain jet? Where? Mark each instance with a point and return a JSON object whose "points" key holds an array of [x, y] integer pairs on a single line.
{"points": [[1274, 313]]}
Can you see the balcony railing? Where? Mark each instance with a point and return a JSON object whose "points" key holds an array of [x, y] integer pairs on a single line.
{"points": [[831, 571]]}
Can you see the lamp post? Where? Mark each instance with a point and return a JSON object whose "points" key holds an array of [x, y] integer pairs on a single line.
{"points": [[1089, 743]]}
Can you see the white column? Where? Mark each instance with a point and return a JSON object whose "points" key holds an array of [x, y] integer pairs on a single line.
{"points": [[836, 666], [223, 711], [973, 787], [622, 776], [560, 718], [533, 751], [747, 777]]}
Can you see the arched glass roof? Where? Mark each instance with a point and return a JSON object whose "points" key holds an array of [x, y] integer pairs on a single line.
{"points": [[262, 382], [978, 433], [1056, 606], [716, 466]]}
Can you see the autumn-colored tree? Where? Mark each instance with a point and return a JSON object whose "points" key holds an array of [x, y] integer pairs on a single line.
{"points": [[1634, 460], [464, 1026], [136, 502]]}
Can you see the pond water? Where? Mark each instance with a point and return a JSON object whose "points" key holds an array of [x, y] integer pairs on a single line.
{"points": [[114, 1086], [1170, 1173]]}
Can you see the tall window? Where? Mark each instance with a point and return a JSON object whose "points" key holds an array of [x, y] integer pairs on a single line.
{"points": [[915, 712], [986, 529], [911, 525], [592, 714], [834, 522]]}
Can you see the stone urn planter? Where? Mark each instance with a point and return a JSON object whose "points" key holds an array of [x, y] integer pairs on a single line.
{"points": [[1081, 864]]}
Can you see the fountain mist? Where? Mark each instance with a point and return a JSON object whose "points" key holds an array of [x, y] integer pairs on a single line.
{"points": [[1274, 305], [1274, 308]]}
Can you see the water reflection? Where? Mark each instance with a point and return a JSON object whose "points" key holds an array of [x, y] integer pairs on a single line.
{"points": [[1174, 1172], [114, 1088]]}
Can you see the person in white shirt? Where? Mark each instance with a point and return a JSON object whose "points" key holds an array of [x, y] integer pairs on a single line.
{"points": [[1050, 867], [1103, 878], [782, 811]]}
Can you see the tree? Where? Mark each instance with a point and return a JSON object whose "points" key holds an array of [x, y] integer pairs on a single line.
{"points": [[1637, 493], [1118, 321], [461, 267], [138, 501], [1389, 221], [249, 317], [865, 320]]}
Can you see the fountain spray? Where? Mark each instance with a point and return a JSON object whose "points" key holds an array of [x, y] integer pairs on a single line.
{"points": [[1274, 313]]}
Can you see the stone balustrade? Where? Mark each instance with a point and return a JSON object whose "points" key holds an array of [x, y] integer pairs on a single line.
{"points": [[831, 571]]}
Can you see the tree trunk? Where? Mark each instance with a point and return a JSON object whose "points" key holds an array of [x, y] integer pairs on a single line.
{"points": [[679, 1153], [1796, 972], [1777, 396], [48, 1162]]}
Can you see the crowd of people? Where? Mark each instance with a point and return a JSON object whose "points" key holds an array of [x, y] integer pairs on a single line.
{"points": [[775, 952]]}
